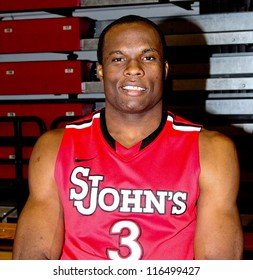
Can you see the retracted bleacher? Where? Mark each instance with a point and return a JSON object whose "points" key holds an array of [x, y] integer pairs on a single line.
{"points": [[36, 93], [17, 137], [212, 83]]}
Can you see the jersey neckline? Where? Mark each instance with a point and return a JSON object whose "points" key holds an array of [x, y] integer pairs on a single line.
{"points": [[144, 143]]}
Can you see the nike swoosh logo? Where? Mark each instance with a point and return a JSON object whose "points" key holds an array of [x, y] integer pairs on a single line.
{"points": [[83, 160]]}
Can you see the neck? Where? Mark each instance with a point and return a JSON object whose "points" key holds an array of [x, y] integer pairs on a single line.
{"points": [[130, 129]]}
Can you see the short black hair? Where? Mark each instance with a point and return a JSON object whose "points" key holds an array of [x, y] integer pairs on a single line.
{"points": [[129, 19]]}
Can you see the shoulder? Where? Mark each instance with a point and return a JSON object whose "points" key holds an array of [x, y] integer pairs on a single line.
{"points": [[47, 145], [51, 138], [218, 160], [41, 166], [211, 142]]}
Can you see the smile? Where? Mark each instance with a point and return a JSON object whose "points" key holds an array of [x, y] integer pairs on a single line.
{"points": [[134, 88]]}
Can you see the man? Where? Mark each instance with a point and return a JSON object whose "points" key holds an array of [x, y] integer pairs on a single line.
{"points": [[131, 181]]}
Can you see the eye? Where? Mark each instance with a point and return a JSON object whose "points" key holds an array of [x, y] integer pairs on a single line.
{"points": [[149, 58], [117, 59]]}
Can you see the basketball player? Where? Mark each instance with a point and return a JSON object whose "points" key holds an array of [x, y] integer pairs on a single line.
{"points": [[131, 181]]}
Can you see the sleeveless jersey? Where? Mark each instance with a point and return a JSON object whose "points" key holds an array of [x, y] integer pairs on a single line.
{"points": [[137, 203]]}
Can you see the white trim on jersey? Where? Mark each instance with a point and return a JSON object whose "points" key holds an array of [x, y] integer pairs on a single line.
{"points": [[183, 127], [85, 124], [179, 126]]}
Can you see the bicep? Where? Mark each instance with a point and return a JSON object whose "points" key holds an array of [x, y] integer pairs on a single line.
{"points": [[218, 233], [40, 226]]}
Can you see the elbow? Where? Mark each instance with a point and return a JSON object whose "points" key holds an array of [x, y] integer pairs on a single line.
{"points": [[232, 252]]}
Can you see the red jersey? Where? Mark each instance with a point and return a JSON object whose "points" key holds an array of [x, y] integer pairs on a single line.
{"points": [[136, 203]]}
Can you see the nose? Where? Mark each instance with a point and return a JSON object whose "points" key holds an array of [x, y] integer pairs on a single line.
{"points": [[134, 68]]}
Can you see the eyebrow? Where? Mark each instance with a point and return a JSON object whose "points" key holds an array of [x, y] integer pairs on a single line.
{"points": [[143, 51], [150, 50], [115, 52]]}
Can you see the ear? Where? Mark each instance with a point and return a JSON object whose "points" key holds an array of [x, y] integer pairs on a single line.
{"points": [[166, 69], [100, 71]]}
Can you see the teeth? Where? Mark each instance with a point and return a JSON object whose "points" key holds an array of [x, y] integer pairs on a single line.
{"points": [[133, 88]]}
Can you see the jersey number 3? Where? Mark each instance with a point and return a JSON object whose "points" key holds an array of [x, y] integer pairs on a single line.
{"points": [[129, 240]]}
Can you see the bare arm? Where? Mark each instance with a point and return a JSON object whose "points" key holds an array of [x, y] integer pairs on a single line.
{"points": [[218, 233], [40, 226]]}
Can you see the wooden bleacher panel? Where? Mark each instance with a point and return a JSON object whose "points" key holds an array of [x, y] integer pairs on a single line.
{"points": [[7, 234]]}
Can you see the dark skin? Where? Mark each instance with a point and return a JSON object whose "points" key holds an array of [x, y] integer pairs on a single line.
{"points": [[133, 73]]}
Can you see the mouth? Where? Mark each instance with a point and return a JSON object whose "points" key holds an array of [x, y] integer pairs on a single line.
{"points": [[133, 88]]}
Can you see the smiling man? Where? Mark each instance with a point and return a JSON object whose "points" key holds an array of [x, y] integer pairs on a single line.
{"points": [[131, 181], [133, 69]]}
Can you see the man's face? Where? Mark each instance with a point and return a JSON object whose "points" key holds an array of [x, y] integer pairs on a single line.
{"points": [[133, 69]]}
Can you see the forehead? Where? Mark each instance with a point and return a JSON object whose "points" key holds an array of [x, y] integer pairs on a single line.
{"points": [[135, 32]]}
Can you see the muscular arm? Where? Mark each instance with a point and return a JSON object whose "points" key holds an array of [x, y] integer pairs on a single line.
{"points": [[40, 226], [218, 233]]}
